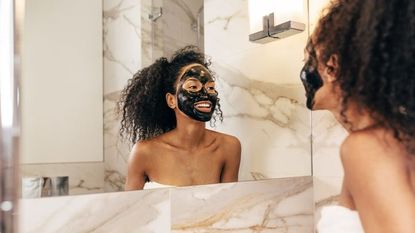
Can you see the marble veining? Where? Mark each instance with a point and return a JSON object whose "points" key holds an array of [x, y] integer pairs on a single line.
{"points": [[281, 205], [331, 200], [116, 150], [261, 94], [122, 35], [182, 24], [326, 192], [186, 9], [275, 136], [141, 212], [122, 42], [113, 14], [261, 100], [276, 205], [227, 19]]}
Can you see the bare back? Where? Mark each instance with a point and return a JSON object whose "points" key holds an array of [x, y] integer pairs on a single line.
{"points": [[379, 181]]}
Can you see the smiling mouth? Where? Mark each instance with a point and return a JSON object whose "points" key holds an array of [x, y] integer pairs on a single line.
{"points": [[203, 106]]}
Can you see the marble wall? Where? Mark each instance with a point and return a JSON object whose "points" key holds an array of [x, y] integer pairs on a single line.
{"points": [[279, 205], [142, 212], [328, 135], [122, 58], [182, 24], [260, 91]]}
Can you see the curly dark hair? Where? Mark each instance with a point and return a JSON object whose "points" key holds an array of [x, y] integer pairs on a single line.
{"points": [[143, 105], [375, 44]]}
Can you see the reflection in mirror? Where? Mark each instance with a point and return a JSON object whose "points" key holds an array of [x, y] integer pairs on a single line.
{"points": [[72, 64], [165, 106]]}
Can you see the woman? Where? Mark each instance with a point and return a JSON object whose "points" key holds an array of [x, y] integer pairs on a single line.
{"points": [[164, 109], [360, 66]]}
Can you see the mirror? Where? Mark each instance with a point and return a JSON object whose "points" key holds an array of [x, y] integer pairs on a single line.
{"points": [[77, 57]]}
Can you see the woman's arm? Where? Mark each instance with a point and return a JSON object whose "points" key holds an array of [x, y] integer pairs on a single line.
{"points": [[379, 184], [232, 160], [136, 176]]}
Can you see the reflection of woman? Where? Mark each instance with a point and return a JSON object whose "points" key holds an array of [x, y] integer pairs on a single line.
{"points": [[361, 66], [164, 109]]}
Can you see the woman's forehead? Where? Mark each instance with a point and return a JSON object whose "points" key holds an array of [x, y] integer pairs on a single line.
{"points": [[189, 66], [192, 79], [195, 70]]}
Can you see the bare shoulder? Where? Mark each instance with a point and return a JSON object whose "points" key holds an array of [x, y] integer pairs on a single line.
{"points": [[141, 151], [230, 151], [227, 140], [373, 160], [371, 146], [376, 174], [138, 165]]}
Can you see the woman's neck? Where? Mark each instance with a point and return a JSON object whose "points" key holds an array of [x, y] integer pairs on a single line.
{"points": [[357, 118], [189, 133]]}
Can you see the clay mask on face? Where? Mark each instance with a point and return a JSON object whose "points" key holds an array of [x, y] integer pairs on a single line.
{"points": [[311, 78], [196, 95]]}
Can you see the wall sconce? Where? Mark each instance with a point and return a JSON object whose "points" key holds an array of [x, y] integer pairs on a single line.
{"points": [[270, 32]]}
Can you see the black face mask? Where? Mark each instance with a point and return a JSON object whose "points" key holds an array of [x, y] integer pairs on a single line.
{"points": [[198, 101], [311, 78]]}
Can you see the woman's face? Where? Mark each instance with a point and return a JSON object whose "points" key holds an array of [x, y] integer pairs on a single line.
{"points": [[196, 93], [310, 76], [319, 81]]}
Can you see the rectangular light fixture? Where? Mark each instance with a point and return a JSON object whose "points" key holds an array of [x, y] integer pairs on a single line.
{"points": [[271, 33]]}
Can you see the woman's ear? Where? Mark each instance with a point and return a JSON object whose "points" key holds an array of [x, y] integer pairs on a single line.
{"points": [[171, 100], [332, 68]]}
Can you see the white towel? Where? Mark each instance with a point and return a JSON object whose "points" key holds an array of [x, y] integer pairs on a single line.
{"points": [[339, 219], [155, 185]]}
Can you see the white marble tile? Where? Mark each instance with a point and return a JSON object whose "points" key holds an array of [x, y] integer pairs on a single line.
{"points": [[326, 189], [328, 135], [176, 28], [326, 192], [270, 120], [227, 26], [180, 24], [123, 54], [116, 151], [122, 42], [83, 177], [261, 94], [127, 212], [279, 205], [151, 32]]}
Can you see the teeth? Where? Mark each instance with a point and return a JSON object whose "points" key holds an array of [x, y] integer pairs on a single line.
{"points": [[203, 105]]}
